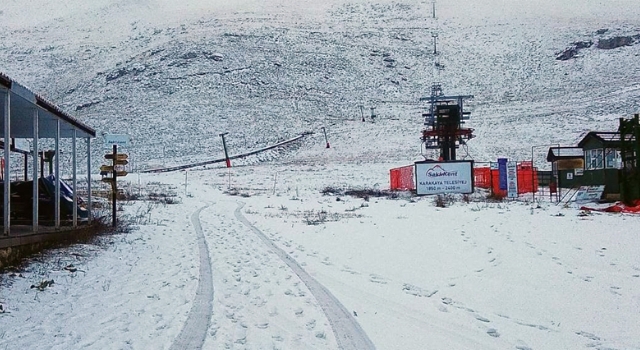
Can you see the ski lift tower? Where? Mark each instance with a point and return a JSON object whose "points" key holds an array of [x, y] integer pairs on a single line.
{"points": [[443, 123]]}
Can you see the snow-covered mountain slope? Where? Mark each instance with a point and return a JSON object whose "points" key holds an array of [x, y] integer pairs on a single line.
{"points": [[175, 75]]}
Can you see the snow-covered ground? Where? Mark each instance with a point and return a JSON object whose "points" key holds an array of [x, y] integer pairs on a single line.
{"points": [[475, 275], [291, 267]]}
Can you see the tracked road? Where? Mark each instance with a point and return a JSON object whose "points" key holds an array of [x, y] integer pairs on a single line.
{"points": [[346, 329], [195, 328]]}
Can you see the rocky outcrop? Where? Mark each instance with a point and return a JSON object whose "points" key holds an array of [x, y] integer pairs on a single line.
{"points": [[120, 72], [615, 42], [567, 54], [603, 44], [572, 51], [582, 44]]}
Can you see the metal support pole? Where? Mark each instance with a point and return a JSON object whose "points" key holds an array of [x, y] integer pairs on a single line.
{"points": [[75, 182], [435, 43], [89, 212], [57, 175], [226, 154], [362, 112], [7, 159], [325, 137], [36, 178]]}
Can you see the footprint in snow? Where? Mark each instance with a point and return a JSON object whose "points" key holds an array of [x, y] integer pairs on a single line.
{"points": [[417, 291], [492, 332], [262, 325], [377, 279], [349, 270], [482, 319], [311, 324]]}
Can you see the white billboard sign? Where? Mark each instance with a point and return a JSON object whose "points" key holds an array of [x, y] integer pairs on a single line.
{"points": [[116, 139], [444, 177], [589, 193], [512, 179]]}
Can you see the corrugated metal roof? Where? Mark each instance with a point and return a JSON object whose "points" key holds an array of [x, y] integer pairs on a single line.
{"points": [[611, 137], [23, 103]]}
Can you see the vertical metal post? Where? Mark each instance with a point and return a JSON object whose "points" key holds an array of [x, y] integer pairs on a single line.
{"points": [[325, 137], [559, 190], [41, 155], [7, 156], [89, 212], [226, 154], [57, 175], [362, 112], [36, 178], [114, 187], [435, 43], [491, 180], [75, 181]]}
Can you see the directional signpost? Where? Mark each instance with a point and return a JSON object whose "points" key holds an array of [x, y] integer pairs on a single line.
{"points": [[119, 160]]}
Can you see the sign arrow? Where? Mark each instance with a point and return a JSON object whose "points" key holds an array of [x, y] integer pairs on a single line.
{"points": [[106, 168], [119, 156]]}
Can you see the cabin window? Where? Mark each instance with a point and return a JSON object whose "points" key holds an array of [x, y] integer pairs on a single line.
{"points": [[613, 159], [593, 159]]}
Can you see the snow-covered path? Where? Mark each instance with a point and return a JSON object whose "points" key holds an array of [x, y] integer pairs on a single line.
{"points": [[259, 301], [348, 332]]}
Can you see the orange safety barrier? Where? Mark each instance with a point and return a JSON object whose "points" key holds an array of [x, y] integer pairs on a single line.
{"points": [[482, 177], [402, 178], [490, 178]]}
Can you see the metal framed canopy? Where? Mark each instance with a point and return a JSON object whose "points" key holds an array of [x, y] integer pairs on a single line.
{"points": [[26, 115], [23, 103]]}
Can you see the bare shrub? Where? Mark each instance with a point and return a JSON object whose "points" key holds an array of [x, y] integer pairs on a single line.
{"points": [[444, 200], [331, 190], [312, 217]]}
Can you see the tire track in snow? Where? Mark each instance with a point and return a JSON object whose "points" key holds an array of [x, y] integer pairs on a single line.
{"points": [[348, 333], [195, 327]]}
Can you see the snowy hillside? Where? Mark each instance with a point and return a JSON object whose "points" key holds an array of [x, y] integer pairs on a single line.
{"points": [[174, 76], [271, 254]]}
